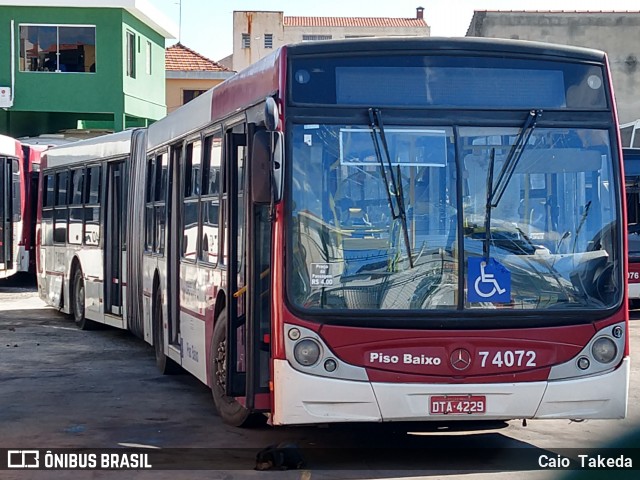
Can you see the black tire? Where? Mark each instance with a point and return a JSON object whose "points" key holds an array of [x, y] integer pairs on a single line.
{"points": [[231, 411], [78, 302], [164, 363]]}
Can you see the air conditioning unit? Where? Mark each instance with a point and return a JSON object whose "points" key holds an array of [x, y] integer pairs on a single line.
{"points": [[5, 97]]}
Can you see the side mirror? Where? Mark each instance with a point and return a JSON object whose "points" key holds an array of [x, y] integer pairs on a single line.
{"points": [[278, 164], [271, 115], [261, 167]]}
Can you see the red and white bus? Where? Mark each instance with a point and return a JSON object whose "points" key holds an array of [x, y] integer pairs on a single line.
{"points": [[632, 180], [19, 166], [365, 230]]}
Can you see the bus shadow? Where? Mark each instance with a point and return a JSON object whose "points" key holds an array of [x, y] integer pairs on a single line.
{"points": [[18, 283], [409, 450]]}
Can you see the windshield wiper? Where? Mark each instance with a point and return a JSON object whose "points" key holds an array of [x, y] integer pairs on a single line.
{"points": [[390, 181], [513, 157], [487, 212], [494, 195]]}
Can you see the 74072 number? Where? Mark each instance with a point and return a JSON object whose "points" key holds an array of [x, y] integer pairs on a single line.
{"points": [[509, 358]]}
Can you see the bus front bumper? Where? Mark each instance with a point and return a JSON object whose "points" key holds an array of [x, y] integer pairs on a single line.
{"points": [[301, 399]]}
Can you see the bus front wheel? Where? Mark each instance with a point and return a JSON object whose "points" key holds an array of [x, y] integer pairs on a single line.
{"points": [[232, 412]]}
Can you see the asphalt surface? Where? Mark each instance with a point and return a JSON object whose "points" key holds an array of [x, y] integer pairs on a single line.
{"points": [[65, 388]]}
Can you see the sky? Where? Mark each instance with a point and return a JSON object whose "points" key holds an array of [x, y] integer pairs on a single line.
{"points": [[207, 25]]}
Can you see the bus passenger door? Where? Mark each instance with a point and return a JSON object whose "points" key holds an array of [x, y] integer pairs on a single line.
{"points": [[174, 236], [258, 329], [114, 238], [235, 145], [6, 212], [249, 278]]}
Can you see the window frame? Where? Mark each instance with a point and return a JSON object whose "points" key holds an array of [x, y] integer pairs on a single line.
{"points": [[268, 41], [61, 205], [130, 56], [76, 206], [190, 194], [209, 197], [153, 202], [22, 60], [245, 41]]}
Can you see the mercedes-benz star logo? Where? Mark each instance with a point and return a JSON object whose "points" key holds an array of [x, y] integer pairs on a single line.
{"points": [[461, 359]]}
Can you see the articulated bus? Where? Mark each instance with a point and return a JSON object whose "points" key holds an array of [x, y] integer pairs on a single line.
{"points": [[632, 180], [365, 230], [19, 165]]}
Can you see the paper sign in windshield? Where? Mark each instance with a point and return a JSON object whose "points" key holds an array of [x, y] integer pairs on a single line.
{"points": [[321, 275]]}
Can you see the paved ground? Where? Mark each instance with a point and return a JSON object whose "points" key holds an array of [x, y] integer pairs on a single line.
{"points": [[62, 387]]}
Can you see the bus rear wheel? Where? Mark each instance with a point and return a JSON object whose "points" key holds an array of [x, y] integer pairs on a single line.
{"points": [[232, 412], [78, 302], [164, 363]]}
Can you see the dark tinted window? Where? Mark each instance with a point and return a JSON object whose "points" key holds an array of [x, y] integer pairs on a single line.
{"points": [[62, 180], [211, 165], [93, 183], [49, 186], [77, 178]]}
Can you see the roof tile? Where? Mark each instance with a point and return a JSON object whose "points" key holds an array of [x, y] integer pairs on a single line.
{"points": [[353, 22], [180, 58]]}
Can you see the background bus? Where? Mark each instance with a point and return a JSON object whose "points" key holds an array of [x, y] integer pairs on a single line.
{"points": [[632, 180], [19, 164], [366, 230], [630, 134]]}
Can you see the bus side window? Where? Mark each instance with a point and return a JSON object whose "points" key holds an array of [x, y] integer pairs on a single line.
{"points": [[60, 209], [92, 206], [191, 201], [210, 199], [76, 211], [149, 217], [17, 198], [48, 185]]}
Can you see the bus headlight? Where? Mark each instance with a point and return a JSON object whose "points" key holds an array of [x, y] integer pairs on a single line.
{"points": [[306, 352], [604, 350]]}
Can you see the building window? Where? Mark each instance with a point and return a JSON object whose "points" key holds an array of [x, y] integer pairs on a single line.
{"points": [[188, 95], [246, 40], [131, 54], [58, 48], [308, 38], [268, 40], [148, 63]]}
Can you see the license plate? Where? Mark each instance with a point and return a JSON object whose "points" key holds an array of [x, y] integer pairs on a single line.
{"points": [[457, 404]]}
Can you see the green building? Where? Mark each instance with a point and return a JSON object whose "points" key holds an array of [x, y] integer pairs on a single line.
{"points": [[67, 64]]}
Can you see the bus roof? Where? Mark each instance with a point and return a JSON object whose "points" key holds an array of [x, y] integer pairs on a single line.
{"points": [[482, 44], [248, 87], [188, 118], [9, 146], [96, 148]]}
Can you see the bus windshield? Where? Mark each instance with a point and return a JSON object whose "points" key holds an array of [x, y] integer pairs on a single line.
{"points": [[552, 230]]}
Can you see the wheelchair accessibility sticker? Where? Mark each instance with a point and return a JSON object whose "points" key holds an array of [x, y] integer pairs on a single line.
{"points": [[488, 281]]}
